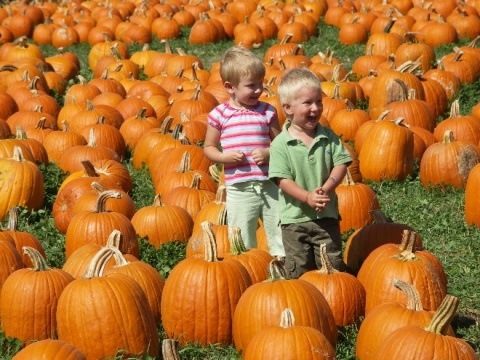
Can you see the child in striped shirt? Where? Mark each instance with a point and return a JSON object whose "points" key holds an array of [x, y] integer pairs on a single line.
{"points": [[244, 127]]}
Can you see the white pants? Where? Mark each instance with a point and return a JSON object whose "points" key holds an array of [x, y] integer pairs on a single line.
{"points": [[249, 201]]}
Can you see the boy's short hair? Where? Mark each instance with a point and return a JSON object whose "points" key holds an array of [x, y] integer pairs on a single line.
{"points": [[294, 80], [237, 62]]}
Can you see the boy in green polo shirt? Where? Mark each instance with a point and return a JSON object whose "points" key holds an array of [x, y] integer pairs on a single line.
{"points": [[307, 161]]}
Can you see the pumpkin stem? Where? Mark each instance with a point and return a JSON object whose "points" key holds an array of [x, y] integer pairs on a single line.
{"points": [[157, 201], [222, 215], [287, 319], [209, 241], [185, 163], [115, 239], [277, 271], [414, 301], [237, 246], [98, 187], [98, 262], [170, 349], [18, 154], [196, 181], [89, 169], [221, 195], [327, 267], [379, 216], [443, 316], [13, 219], [118, 256], [102, 200], [214, 170], [348, 180], [38, 261], [409, 253], [448, 137]]}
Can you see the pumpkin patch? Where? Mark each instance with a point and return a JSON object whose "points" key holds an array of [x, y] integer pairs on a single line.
{"points": [[114, 235]]}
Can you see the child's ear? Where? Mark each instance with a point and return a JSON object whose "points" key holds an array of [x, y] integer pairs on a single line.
{"points": [[287, 109], [228, 86]]}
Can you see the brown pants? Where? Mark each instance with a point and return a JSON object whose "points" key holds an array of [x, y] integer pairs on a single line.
{"points": [[302, 245]]}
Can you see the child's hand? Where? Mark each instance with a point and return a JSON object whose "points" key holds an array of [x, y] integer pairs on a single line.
{"points": [[260, 156], [318, 199], [233, 157]]}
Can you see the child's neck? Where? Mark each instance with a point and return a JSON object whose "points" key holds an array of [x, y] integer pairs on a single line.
{"points": [[236, 105], [298, 132]]}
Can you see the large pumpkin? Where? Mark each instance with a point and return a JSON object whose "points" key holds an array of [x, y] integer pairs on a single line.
{"points": [[102, 314], [288, 340], [430, 342], [29, 299], [344, 292], [265, 301], [204, 313]]}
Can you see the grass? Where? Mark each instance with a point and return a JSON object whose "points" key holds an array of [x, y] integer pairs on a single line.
{"points": [[437, 215]]}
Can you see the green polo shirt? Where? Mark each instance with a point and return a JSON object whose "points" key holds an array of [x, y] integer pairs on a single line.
{"points": [[309, 168]]}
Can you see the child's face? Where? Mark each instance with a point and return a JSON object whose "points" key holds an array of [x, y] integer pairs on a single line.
{"points": [[306, 108], [247, 92]]}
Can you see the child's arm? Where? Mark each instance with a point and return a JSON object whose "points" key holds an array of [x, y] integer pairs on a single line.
{"points": [[335, 178], [211, 151]]}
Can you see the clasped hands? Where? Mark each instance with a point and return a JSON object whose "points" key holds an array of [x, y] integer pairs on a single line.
{"points": [[318, 199]]}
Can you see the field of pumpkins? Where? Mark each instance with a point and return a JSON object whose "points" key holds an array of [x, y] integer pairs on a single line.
{"points": [[114, 240]]}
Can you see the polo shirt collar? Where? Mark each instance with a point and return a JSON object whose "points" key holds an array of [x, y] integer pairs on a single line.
{"points": [[321, 133]]}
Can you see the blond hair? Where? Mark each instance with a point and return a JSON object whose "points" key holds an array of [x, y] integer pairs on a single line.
{"points": [[294, 80], [238, 62]]}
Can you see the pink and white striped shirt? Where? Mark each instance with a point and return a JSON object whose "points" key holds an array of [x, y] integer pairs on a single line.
{"points": [[243, 130]]}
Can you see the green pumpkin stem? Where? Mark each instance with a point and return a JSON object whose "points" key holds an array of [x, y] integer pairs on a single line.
{"points": [[443, 315], [414, 301], [277, 271], [237, 246], [38, 261]]}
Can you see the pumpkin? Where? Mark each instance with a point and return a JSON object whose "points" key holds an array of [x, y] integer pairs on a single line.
{"points": [[38, 288], [355, 201], [343, 292], [418, 267], [22, 183], [196, 244], [191, 198], [183, 176], [464, 128], [471, 200], [387, 152], [255, 260], [369, 237], [264, 301], [118, 298], [428, 342], [145, 275], [390, 316], [204, 313], [161, 223], [289, 340], [77, 264], [22, 238], [95, 226], [54, 349], [448, 163]]}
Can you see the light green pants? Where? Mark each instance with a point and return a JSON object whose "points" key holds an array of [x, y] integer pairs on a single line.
{"points": [[249, 201]]}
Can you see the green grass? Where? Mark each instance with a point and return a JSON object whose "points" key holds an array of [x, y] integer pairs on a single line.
{"points": [[436, 215]]}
